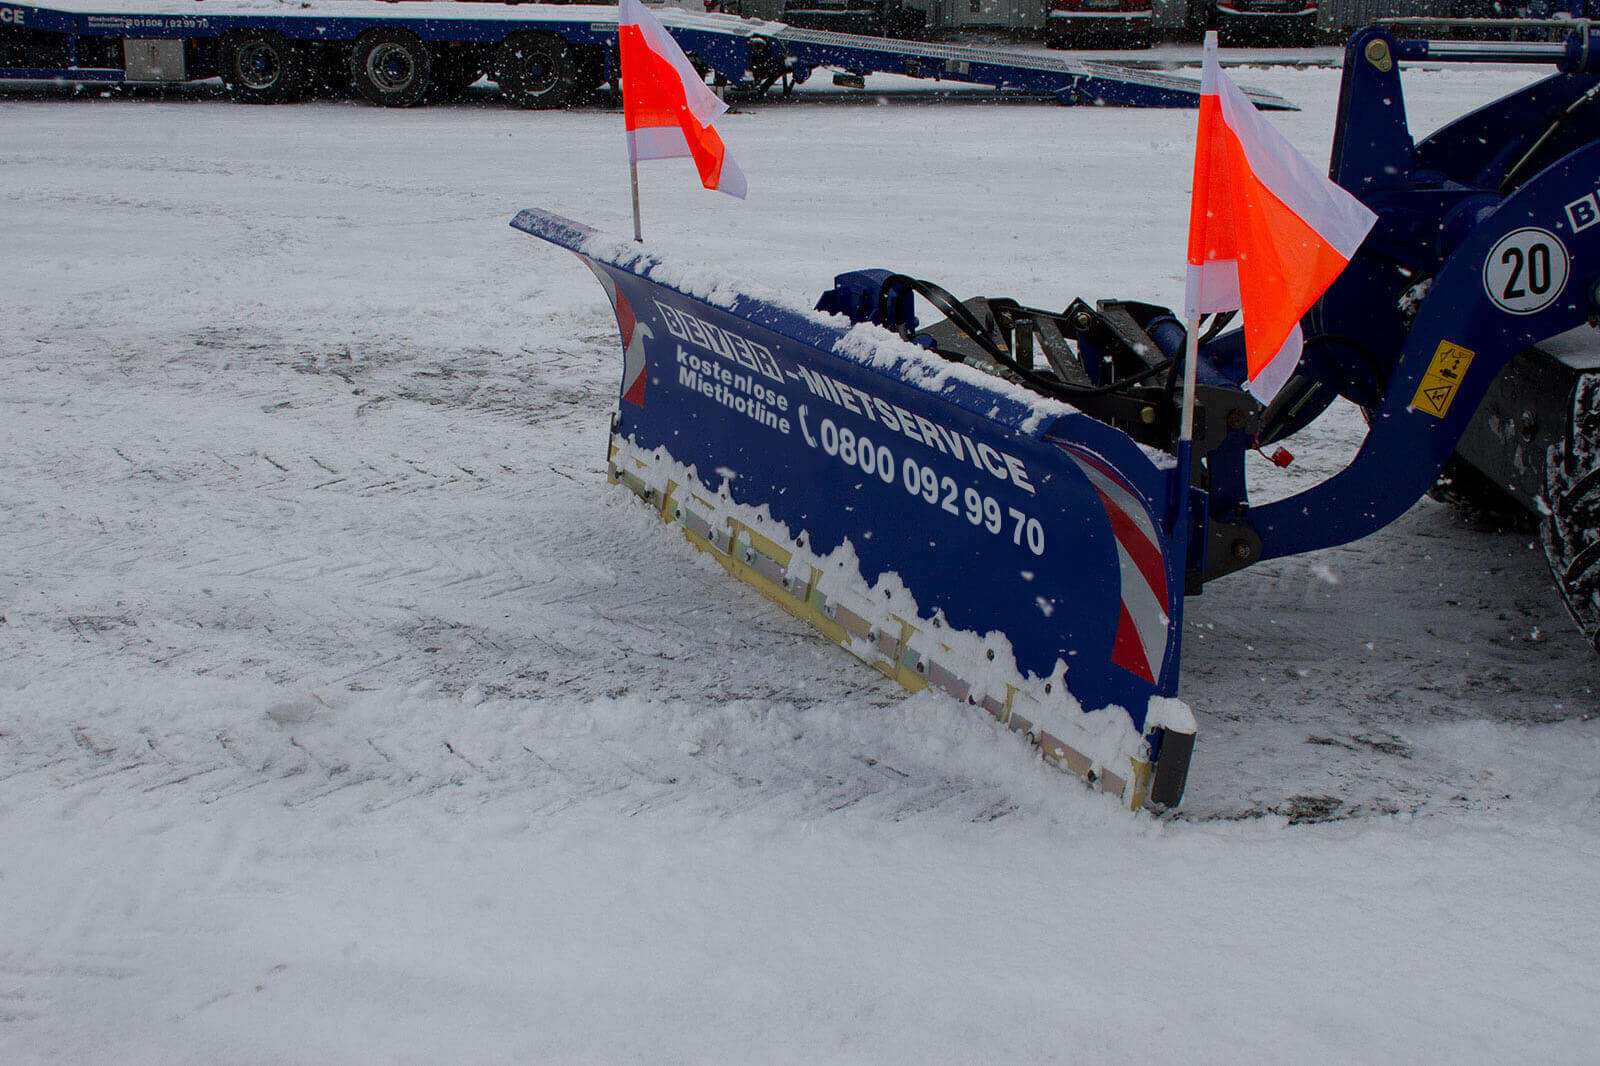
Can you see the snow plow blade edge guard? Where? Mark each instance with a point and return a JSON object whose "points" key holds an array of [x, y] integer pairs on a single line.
{"points": [[950, 529]]}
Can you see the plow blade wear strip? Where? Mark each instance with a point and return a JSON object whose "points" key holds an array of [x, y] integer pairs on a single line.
{"points": [[951, 529]]}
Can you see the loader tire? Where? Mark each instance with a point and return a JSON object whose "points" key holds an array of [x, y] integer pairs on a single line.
{"points": [[392, 67], [262, 67], [535, 70], [1571, 525]]}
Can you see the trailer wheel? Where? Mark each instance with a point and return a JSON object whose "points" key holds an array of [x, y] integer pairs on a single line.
{"points": [[535, 70], [261, 67], [391, 67]]}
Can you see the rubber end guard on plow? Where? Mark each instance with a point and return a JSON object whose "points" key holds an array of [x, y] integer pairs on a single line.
{"points": [[951, 529]]}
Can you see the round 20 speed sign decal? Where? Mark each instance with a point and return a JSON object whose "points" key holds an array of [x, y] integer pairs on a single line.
{"points": [[1526, 270]]}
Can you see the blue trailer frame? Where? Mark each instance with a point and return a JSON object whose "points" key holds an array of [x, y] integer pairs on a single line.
{"points": [[400, 53]]}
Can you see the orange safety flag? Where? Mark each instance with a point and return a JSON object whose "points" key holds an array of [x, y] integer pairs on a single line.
{"points": [[666, 106], [1267, 233]]}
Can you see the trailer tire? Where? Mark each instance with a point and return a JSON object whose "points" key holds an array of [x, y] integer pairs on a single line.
{"points": [[392, 67], [535, 70], [262, 67]]}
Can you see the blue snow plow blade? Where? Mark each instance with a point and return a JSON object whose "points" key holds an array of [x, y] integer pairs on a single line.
{"points": [[951, 528]]}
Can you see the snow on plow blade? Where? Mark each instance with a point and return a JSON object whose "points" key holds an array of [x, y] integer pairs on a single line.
{"points": [[953, 530]]}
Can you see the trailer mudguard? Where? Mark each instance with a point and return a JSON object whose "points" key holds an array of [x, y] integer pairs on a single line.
{"points": [[953, 530]]}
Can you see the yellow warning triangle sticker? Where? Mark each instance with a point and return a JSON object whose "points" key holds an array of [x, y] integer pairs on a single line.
{"points": [[1437, 389]]}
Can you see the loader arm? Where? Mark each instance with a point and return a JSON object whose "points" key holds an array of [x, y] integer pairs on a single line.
{"points": [[1485, 246], [1466, 329]]}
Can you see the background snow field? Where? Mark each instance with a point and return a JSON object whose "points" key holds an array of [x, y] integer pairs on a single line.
{"points": [[346, 714]]}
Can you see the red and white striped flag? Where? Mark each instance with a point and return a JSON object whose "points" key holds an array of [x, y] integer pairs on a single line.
{"points": [[1267, 232], [666, 106]]}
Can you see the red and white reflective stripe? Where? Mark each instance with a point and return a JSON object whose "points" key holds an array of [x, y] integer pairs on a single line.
{"points": [[1141, 641], [634, 334]]}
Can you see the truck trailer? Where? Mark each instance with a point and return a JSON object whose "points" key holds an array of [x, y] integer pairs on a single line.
{"points": [[411, 52]]}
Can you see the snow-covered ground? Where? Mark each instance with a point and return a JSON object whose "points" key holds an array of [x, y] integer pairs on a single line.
{"points": [[346, 714]]}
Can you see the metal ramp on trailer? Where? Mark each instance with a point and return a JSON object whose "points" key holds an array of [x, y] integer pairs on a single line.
{"points": [[1072, 81]]}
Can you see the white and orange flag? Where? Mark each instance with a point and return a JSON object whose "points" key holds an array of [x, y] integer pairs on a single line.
{"points": [[666, 106], [1267, 232]]}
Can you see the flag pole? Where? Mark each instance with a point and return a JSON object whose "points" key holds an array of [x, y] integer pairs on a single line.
{"points": [[625, 17], [633, 170], [1191, 357]]}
